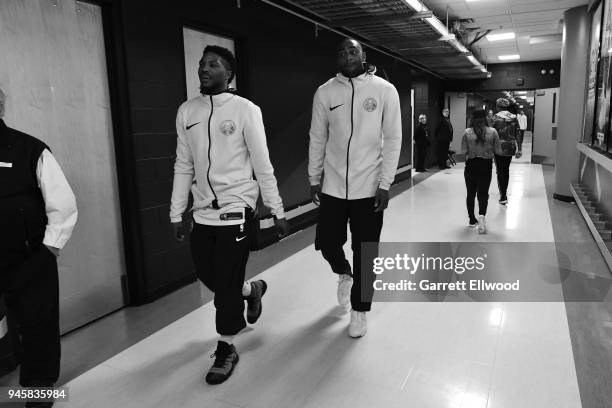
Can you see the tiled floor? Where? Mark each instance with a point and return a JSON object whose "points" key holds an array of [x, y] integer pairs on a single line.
{"points": [[465, 355]]}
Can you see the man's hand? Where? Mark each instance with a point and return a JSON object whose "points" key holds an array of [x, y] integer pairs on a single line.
{"points": [[55, 251], [315, 192], [518, 154], [381, 200], [283, 227], [179, 231]]}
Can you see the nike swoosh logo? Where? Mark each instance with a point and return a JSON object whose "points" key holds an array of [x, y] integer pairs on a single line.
{"points": [[331, 108], [240, 239], [192, 125]]}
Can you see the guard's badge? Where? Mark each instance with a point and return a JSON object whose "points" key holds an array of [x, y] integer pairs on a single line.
{"points": [[369, 105], [228, 127]]}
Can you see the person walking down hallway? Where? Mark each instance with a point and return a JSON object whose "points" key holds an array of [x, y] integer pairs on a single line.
{"points": [[522, 121], [37, 216], [444, 137], [221, 142], [490, 118], [507, 127], [480, 143], [421, 142], [355, 139]]}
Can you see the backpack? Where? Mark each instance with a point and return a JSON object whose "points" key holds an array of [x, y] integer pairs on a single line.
{"points": [[507, 127]]}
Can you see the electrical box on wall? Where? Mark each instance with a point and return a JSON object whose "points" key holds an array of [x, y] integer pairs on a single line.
{"points": [[520, 81]]}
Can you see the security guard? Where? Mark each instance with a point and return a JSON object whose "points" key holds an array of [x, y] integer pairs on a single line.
{"points": [[37, 215]]}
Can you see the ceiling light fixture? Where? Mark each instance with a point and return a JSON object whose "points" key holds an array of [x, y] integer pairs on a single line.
{"points": [[509, 57], [419, 7], [501, 36]]}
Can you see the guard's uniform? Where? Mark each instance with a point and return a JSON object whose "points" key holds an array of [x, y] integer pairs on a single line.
{"points": [[355, 139], [37, 208], [221, 143]]}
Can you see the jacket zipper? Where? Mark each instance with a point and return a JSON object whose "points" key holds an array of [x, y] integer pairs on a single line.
{"points": [[351, 136], [215, 203]]}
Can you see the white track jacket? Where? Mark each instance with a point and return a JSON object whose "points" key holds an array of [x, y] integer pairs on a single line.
{"points": [[355, 136], [221, 142]]}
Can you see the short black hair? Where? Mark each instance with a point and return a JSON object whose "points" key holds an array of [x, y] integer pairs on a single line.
{"points": [[341, 43], [226, 54]]}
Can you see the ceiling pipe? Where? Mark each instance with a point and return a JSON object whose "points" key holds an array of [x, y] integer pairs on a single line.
{"points": [[303, 17]]}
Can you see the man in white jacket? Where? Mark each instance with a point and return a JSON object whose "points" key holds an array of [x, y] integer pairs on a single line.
{"points": [[38, 213], [221, 143], [355, 140]]}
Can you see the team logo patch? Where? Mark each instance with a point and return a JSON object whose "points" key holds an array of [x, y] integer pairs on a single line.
{"points": [[228, 127], [370, 105]]}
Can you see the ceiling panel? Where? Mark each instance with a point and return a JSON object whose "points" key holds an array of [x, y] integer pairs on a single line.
{"points": [[525, 17], [395, 26]]}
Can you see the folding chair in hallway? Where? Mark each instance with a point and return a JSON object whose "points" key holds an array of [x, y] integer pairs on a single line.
{"points": [[451, 157]]}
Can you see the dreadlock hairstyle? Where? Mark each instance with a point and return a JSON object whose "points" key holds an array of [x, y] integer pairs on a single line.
{"points": [[479, 124]]}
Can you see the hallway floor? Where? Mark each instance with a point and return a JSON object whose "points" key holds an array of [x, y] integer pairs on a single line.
{"points": [[464, 355]]}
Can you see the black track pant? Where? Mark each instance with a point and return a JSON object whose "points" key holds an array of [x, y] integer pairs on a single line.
{"points": [[477, 176], [30, 285], [220, 255], [502, 164], [365, 225]]}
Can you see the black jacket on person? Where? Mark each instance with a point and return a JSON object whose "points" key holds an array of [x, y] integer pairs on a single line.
{"points": [[22, 209], [421, 135], [444, 131]]}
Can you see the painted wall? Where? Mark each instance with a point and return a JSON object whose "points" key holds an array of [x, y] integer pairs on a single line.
{"points": [[504, 77], [457, 101], [428, 100]]}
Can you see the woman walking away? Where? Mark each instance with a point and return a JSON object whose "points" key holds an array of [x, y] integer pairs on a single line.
{"points": [[480, 143]]}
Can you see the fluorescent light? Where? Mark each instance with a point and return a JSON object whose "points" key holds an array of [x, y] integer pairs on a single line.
{"points": [[448, 37], [501, 36], [509, 57], [437, 25], [542, 39], [521, 92], [416, 5]]}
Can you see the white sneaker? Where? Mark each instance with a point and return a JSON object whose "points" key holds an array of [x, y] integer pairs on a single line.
{"points": [[345, 283], [482, 228], [358, 325]]}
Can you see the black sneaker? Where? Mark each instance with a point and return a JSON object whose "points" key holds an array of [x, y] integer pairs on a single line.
{"points": [[258, 289], [473, 223], [226, 359], [503, 200]]}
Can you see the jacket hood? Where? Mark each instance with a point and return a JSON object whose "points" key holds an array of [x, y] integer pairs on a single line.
{"points": [[370, 70], [218, 99]]}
